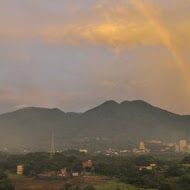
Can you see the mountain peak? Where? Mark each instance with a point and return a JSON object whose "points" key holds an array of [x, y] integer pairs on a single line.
{"points": [[32, 108], [109, 102], [136, 102], [108, 105], [141, 102]]}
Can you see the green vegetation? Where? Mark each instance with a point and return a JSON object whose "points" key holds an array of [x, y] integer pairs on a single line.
{"points": [[169, 174], [4, 182], [113, 185]]}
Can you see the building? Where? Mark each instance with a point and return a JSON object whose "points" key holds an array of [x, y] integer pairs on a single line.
{"points": [[182, 145], [20, 169], [75, 174], [62, 173], [150, 167], [87, 164], [145, 168], [142, 146], [83, 150], [153, 165]]}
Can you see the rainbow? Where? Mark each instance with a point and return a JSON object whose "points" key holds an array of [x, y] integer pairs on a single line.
{"points": [[165, 37]]}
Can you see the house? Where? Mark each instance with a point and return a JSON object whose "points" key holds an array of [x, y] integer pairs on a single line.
{"points": [[62, 173], [153, 165], [87, 164], [141, 168], [75, 174], [83, 150], [20, 169], [150, 167]]}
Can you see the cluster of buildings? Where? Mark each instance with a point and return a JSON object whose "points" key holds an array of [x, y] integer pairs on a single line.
{"points": [[87, 168], [142, 148], [61, 173], [182, 147], [153, 146], [111, 152]]}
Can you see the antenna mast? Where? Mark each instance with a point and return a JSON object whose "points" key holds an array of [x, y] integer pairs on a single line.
{"points": [[52, 151]]}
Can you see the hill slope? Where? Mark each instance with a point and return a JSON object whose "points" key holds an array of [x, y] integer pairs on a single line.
{"points": [[108, 124]]}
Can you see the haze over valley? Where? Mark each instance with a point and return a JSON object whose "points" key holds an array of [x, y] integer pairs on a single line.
{"points": [[109, 125]]}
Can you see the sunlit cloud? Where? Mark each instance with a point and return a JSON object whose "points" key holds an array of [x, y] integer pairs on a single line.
{"points": [[116, 25], [129, 29]]}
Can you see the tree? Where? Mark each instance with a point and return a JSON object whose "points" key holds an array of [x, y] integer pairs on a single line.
{"points": [[3, 175], [184, 182], [144, 160], [186, 160], [174, 171], [6, 185]]}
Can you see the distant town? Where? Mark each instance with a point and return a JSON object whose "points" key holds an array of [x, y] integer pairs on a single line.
{"points": [[145, 147], [150, 147]]}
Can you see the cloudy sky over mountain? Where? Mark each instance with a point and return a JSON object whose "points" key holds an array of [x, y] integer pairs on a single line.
{"points": [[75, 54]]}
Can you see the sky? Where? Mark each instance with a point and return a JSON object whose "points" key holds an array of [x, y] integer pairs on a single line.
{"points": [[76, 54]]}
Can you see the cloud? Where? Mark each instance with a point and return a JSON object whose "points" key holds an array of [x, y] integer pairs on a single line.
{"points": [[117, 25], [42, 42]]}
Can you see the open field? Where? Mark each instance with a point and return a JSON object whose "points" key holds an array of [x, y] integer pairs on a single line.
{"points": [[100, 182], [33, 184], [113, 185], [24, 183]]}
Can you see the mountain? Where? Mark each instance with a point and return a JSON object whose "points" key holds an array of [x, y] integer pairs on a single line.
{"points": [[109, 124]]}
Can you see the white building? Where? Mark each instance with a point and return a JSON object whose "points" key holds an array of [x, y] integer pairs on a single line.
{"points": [[75, 174], [20, 169], [83, 150]]}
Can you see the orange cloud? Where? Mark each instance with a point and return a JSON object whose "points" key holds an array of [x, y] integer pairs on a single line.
{"points": [[116, 25]]}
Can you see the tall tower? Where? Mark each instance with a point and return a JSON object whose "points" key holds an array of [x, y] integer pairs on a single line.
{"points": [[142, 146], [182, 145], [52, 151]]}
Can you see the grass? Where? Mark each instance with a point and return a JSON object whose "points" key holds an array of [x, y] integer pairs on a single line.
{"points": [[113, 185], [99, 182], [15, 176]]}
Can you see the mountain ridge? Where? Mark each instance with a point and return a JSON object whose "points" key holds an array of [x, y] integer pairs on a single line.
{"points": [[116, 123], [105, 103]]}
